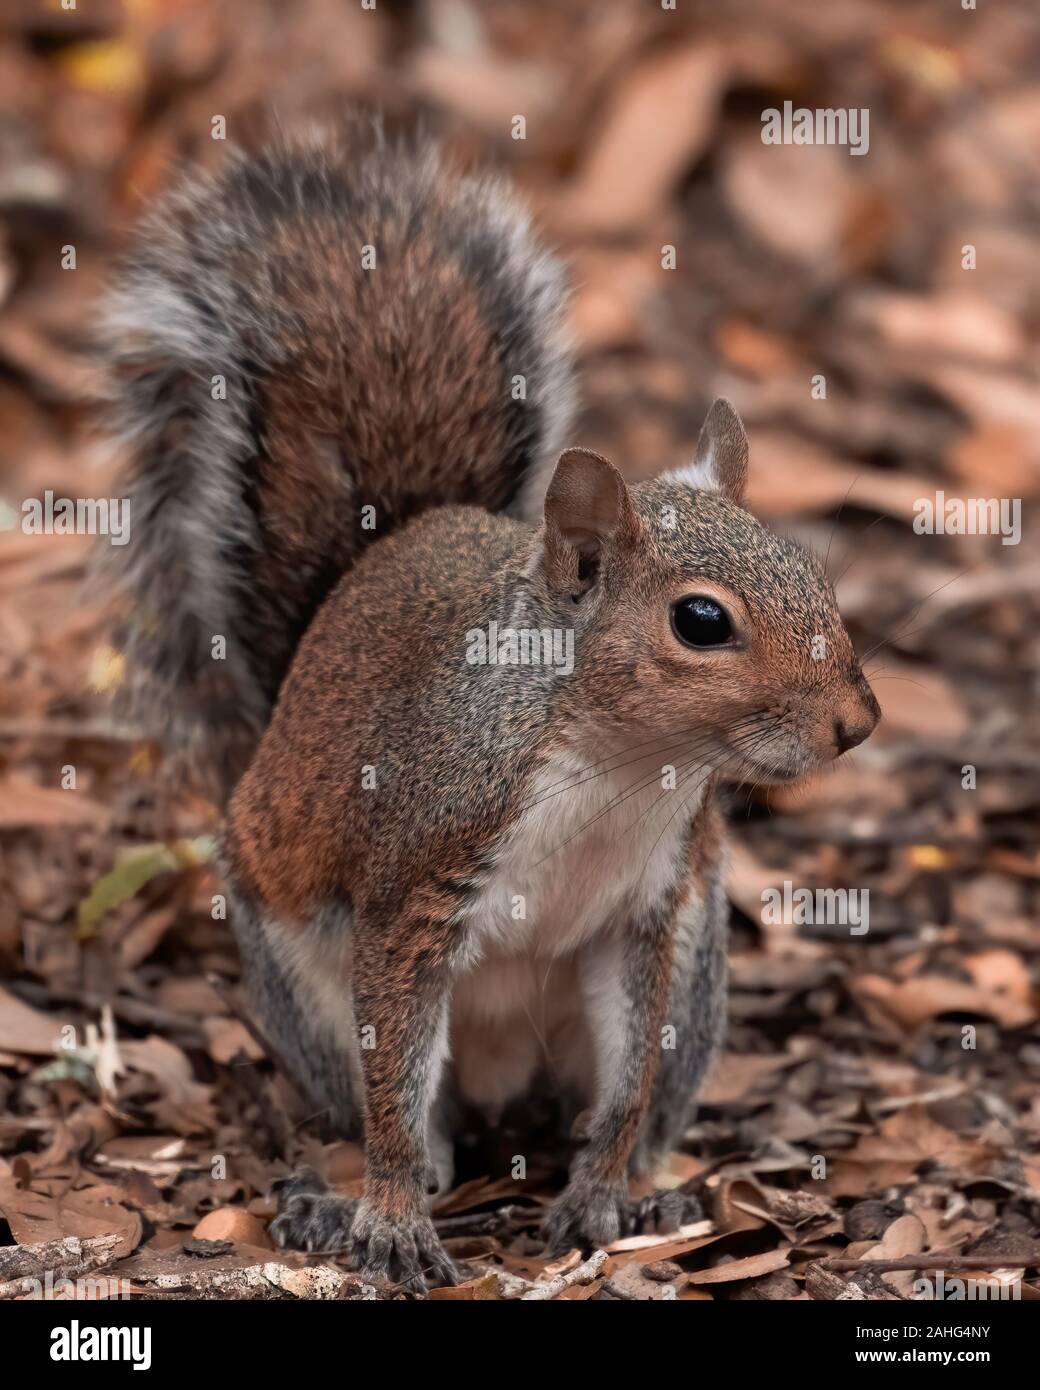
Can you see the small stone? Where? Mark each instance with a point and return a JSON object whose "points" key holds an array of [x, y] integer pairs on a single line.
{"points": [[870, 1220], [662, 1271], [207, 1249]]}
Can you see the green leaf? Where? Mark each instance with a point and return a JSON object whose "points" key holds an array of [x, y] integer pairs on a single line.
{"points": [[133, 869]]}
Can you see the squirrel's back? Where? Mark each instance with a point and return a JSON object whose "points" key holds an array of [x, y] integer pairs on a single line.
{"points": [[306, 350]]}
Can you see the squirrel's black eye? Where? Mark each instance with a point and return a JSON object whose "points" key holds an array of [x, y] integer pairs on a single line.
{"points": [[701, 622]]}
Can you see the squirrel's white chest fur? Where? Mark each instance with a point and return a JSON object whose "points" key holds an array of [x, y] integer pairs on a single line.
{"points": [[592, 848]]}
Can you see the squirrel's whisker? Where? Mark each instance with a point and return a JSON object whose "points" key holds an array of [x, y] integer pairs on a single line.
{"points": [[857, 551], [738, 751], [683, 804], [566, 785], [641, 784], [837, 518], [767, 726], [903, 632]]}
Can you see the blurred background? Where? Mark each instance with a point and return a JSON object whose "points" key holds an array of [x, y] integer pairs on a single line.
{"points": [[874, 318]]}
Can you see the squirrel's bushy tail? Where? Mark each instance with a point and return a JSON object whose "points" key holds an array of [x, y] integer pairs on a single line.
{"points": [[305, 351]]}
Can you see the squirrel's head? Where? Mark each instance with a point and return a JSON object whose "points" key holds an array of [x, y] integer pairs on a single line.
{"points": [[697, 624]]}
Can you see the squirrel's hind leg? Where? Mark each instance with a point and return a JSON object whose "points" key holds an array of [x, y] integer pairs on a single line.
{"points": [[298, 981]]}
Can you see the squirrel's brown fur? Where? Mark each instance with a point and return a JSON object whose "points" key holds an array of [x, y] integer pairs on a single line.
{"points": [[456, 881]]}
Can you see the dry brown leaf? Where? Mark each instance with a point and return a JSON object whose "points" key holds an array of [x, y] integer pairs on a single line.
{"points": [[994, 460], [340, 1162], [484, 1288], [694, 1231], [1000, 991], [184, 1104], [989, 397], [920, 701], [666, 1248], [158, 1155], [190, 995], [480, 1190], [26, 1030], [25, 803], [92, 1211], [755, 351], [955, 324], [145, 935], [799, 200], [226, 1038], [905, 1236], [748, 1268], [58, 374], [638, 156], [486, 90], [735, 1077], [893, 1155], [731, 1201], [793, 477], [677, 1169], [842, 785]]}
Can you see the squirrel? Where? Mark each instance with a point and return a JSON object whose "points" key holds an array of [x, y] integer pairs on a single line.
{"points": [[467, 697]]}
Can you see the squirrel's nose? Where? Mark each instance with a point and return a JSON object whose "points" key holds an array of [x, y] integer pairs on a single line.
{"points": [[847, 735]]}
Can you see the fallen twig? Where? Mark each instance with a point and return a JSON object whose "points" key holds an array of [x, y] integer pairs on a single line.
{"points": [[269, 1280], [935, 1259], [581, 1274], [822, 1285]]}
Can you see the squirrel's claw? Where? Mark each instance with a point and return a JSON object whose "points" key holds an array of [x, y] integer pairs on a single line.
{"points": [[313, 1218], [586, 1214], [310, 1217], [664, 1211], [402, 1251]]}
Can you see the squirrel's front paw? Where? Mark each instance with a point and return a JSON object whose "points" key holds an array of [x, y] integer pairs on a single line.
{"points": [[310, 1217], [587, 1213], [663, 1211], [405, 1251]]}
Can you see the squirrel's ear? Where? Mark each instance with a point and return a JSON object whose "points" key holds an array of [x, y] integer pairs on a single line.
{"points": [[587, 508], [721, 461]]}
